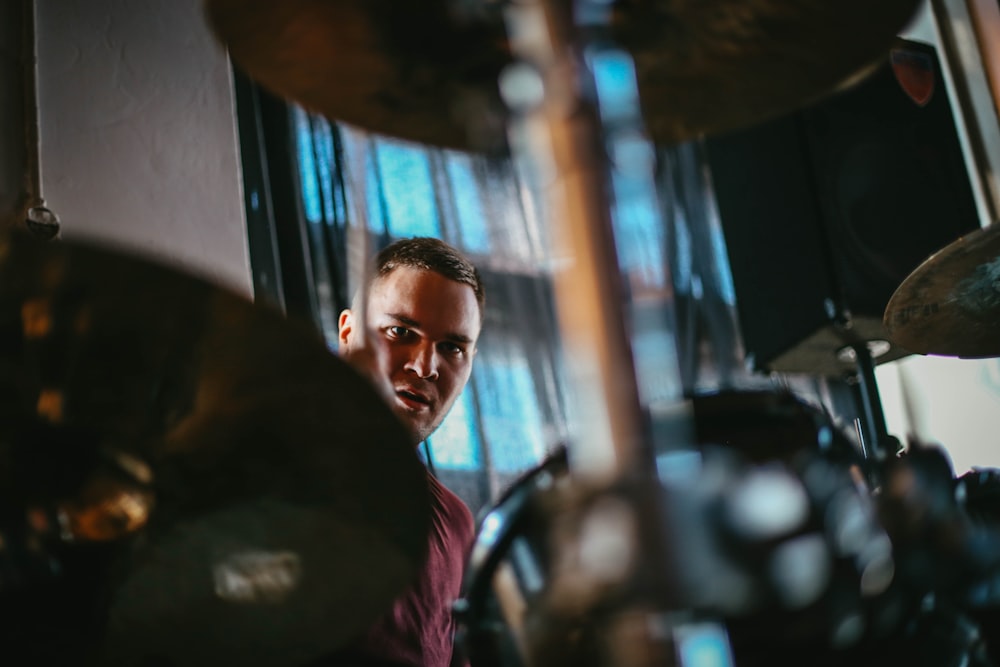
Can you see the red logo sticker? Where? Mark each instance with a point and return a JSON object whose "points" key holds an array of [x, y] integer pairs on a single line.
{"points": [[915, 73]]}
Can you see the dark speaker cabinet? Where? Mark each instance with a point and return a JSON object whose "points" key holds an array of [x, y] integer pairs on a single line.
{"points": [[826, 210]]}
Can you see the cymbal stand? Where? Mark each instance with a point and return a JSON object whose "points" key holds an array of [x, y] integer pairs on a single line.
{"points": [[557, 127], [575, 134], [874, 433]]}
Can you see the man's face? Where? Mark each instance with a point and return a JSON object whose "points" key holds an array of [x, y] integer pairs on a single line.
{"points": [[425, 328]]}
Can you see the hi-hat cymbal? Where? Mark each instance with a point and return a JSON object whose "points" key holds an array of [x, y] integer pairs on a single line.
{"points": [[209, 484], [950, 304], [417, 71]]}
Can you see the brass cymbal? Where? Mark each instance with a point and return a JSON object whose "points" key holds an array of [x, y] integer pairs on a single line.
{"points": [[950, 304], [236, 493], [420, 71]]}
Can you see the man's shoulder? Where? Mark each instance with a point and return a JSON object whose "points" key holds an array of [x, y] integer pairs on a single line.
{"points": [[452, 509], [446, 497]]}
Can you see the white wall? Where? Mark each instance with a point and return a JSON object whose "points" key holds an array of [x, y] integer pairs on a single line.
{"points": [[138, 133], [954, 402]]}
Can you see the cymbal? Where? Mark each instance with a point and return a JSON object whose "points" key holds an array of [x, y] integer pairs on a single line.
{"points": [[424, 72], [209, 483], [950, 304]]}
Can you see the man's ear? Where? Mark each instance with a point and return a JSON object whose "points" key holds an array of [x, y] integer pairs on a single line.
{"points": [[345, 326]]}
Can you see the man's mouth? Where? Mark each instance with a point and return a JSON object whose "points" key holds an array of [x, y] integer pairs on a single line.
{"points": [[413, 400]]}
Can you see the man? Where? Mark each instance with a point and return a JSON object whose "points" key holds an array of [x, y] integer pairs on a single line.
{"points": [[424, 313]]}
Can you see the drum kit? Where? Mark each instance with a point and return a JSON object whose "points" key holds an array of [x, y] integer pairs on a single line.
{"points": [[172, 496]]}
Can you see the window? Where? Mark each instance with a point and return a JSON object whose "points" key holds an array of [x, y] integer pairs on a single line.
{"points": [[512, 413], [510, 416]]}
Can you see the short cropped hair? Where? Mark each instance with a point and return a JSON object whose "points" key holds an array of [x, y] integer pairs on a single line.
{"points": [[430, 254]]}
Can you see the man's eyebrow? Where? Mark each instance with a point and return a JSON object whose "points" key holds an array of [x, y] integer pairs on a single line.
{"points": [[412, 323], [403, 319], [459, 338]]}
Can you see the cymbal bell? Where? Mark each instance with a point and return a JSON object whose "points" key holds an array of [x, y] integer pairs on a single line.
{"points": [[423, 72], [950, 304], [208, 482]]}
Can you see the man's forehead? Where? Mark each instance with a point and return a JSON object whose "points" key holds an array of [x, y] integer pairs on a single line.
{"points": [[416, 294]]}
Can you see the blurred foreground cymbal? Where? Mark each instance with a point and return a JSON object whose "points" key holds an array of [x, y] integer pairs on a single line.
{"points": [[950, 304], [201, 480], [419, 71]]}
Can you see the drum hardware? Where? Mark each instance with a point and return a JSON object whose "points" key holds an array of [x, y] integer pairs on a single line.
{"points": [[877, 444], [42, 222], [977, 493], [901, 573], [949, 304], [508, 568], [429, 72], [557, 137], [948, 553], [38, 218], [186, 476], [612, 557], [733, 567]]}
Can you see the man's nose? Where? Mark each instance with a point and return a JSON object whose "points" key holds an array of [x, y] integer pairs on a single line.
{"points": [[424, 362]]}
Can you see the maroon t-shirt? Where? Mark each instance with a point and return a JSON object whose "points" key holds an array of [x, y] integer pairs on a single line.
{"points": [[419, 630]]}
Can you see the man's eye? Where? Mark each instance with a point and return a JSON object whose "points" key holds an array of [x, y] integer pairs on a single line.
{"points": [[452, 349], [398, 332]]}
